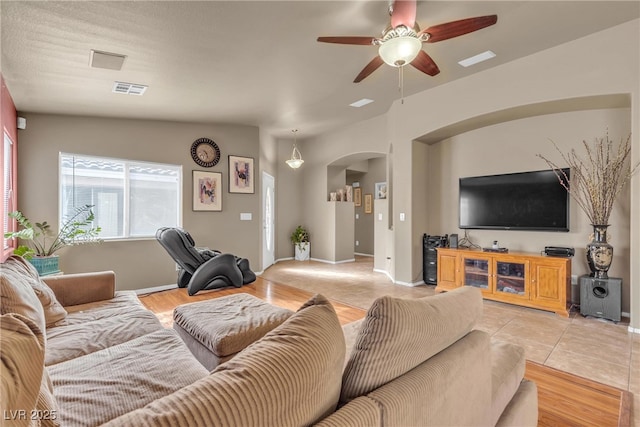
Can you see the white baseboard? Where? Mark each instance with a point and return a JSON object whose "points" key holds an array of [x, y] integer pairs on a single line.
{"points": [[326, 261], [283, 259], [399, 282], [633, 330], [385, 272], [155, 289], [358, 253]]}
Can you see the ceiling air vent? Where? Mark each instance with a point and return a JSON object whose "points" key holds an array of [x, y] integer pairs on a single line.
{"points": [[129, 88]]}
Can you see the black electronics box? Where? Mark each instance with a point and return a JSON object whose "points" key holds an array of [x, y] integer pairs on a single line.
{"points": [[559, 251]]}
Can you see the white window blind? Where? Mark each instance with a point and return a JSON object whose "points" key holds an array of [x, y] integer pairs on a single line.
{"points": [[7, 198], [131, 199]]}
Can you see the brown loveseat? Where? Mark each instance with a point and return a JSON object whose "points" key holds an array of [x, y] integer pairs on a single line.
{"points": [[80, 353]]}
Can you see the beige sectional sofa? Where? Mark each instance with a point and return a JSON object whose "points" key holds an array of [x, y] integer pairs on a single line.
{"points": [[76, 352]]}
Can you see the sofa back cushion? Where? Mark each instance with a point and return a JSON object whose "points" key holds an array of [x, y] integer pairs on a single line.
{"points": [[53, 310], [399, 334], [290, 377], [17, 294]]}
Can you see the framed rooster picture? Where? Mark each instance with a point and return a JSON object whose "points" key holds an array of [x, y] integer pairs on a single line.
{"points": [[241, 179], [207, 191]]}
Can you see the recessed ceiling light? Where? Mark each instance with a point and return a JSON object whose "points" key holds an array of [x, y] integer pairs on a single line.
{"points": [[108, 60], [477, 58], [361, 103], [129, 88]]}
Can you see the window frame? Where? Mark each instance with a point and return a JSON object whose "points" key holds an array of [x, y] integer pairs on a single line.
{"points": [[126, 205]]}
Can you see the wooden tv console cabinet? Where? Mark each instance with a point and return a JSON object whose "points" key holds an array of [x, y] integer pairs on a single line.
{"points": [[525, 279]]}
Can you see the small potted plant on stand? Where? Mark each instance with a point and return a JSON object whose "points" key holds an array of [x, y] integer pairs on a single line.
{"points": [[42, 244], [300, 239]]}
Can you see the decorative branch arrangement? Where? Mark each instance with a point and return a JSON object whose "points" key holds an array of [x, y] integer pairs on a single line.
{"points": [[598, 178]]}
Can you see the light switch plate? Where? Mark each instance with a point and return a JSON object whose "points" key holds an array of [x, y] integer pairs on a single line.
{"points": [[379, 217], [245, 216], [401, 216]]}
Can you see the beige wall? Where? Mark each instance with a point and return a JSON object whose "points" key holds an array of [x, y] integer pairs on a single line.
{"points": [[562, 72], [141, 263], [290, 184], [319, 152], [376, 172], [512, 147]]}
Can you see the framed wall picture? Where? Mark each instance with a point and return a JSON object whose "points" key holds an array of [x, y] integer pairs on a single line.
{"points": [[381, 190], [368, 203], [207, 191], [357, 196], [241, 178]]}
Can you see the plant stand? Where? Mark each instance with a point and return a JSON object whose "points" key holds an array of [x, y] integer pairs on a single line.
{"points": [[302, 251]]}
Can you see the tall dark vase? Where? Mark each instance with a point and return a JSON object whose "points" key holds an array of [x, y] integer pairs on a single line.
{"points": [[599, 252]]}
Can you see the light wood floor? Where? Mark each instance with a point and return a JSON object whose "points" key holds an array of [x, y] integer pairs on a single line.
{"points": [[564, 399]]}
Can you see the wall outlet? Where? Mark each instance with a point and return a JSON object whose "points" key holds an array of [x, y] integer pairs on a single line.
{"points": [[357, 216], [245, 216], [357, 243], [401, 216], [574, 279]]}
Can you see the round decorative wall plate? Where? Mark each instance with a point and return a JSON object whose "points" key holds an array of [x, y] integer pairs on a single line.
{"points": [[205, 152]]}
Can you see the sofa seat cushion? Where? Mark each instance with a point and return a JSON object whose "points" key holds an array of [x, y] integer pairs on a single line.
{"points": [[98, 387], [507, 372], [68, 342], [290, 377], [229, 324], [122, 302], [399, 334]]}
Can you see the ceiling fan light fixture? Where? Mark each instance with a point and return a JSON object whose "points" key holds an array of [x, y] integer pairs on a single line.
{"points": [[296, 158], [399, 51]]}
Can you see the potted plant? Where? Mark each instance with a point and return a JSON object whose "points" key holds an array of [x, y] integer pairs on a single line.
{"points": [[596, 180], [42, 242], [300, 239]]}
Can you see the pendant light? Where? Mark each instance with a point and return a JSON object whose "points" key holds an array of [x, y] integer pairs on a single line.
{"points": [[296, 158]]}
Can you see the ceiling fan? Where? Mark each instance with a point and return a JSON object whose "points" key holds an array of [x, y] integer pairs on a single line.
{"points": [[401, 41]]}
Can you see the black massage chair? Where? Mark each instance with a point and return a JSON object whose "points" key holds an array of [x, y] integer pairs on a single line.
{"points": [[203, 268]]}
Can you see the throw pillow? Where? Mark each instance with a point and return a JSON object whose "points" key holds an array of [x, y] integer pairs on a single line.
{"points": [[290, 377], [399, 334], [24, 384], [17, 294], [53, 310]]}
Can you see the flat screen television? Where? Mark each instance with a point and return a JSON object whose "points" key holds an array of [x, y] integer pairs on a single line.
{"points": [[517, 201]]}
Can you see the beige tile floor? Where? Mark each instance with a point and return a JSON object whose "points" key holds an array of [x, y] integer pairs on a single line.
{"points": [[593, 348]]}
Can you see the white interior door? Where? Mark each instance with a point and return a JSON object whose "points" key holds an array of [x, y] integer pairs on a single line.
{"points": [[268, 220]]}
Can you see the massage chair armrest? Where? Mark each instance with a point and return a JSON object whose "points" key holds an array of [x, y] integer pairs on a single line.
{"points": [[82, 288], [221, 268]]}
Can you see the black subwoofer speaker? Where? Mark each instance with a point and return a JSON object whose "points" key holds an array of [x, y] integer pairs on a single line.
{"points": [[430, 257], [601, 297]]}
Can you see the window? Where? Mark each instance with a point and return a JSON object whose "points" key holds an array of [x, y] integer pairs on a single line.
{"points": [[131, 199], [8, 198]]}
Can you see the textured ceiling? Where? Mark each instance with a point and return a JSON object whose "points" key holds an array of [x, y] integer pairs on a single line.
{"points": [[257, 62]]}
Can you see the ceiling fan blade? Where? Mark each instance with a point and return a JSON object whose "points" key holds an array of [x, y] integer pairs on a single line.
{"points": [[404, 13], [457, 28], [370, 68], [366, 41], [424, 63]]}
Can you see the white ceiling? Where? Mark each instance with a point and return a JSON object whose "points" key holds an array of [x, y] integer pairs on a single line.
{"points": [[257, 62]]}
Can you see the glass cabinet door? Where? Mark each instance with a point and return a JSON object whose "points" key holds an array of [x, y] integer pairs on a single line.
{"points": [[476, 273], [511, 278]]}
